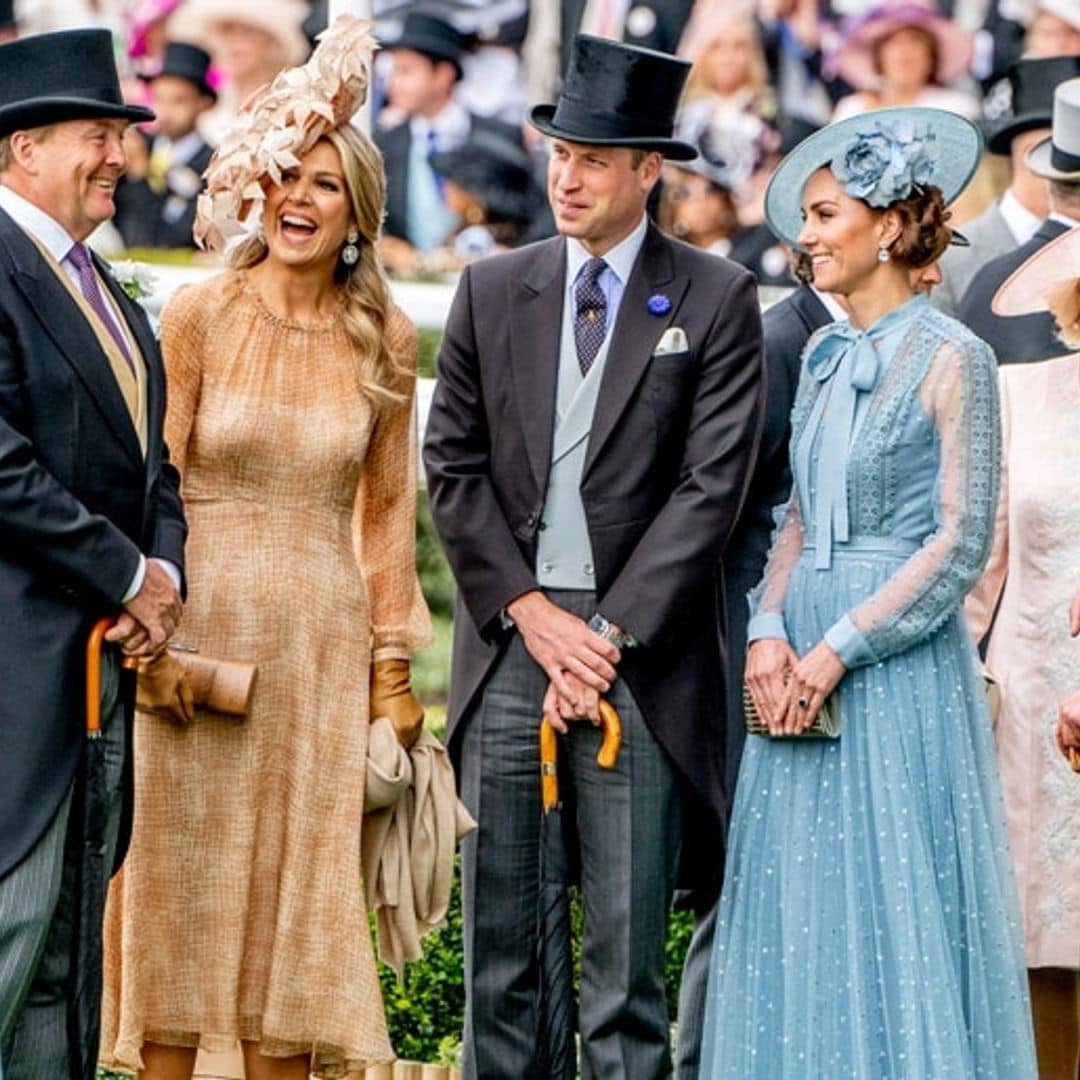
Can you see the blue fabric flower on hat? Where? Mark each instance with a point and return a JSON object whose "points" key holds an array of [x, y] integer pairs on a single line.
{"points": [[658, 304], [885, 165]]}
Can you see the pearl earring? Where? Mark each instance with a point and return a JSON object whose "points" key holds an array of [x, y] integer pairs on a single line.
{"points": [[350, 253], [882, 253]]}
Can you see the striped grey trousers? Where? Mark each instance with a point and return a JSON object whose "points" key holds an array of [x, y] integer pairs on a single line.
{"points": [[37, 911]]}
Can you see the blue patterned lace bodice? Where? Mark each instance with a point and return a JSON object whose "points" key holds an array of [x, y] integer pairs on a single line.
{"points": [[921, 469]]}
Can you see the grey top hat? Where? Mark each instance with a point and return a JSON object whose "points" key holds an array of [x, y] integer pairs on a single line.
{"points": [[68, 75], [1058, 156], [879, 157]]}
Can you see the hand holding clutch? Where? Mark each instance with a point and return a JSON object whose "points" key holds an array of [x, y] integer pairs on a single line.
{"points": [[392, 697], [162, 688]]}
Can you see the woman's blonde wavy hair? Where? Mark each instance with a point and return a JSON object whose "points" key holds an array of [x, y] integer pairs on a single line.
{"points": [[383, 378]]}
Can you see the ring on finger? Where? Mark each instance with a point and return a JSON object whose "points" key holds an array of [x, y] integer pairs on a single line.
{"points": [[803, 702]]}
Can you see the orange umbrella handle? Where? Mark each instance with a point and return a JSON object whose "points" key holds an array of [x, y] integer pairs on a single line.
{"points": [[93, 675], [608, 754], [1074, 759]]}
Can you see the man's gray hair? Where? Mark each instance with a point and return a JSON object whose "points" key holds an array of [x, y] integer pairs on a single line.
{"points": [[1065, 197], [6, 155]]}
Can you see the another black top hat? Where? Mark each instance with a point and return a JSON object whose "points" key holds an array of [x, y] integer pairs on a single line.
{"points": [[497, 172], [186, 61], [433, 37], [1032, 83], [618, 95], [68, 75]]}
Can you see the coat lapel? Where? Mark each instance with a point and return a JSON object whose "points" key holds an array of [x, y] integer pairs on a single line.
{"points": [[536, 303], [70, 332], [635, 335], [139, 325]]}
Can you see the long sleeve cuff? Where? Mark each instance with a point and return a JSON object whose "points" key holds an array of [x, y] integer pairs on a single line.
{"points": [[136, 582], [768, 624], [847, 641]]}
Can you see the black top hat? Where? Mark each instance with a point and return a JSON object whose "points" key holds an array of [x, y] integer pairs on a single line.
{"points": [[618, 95], [433, 37], [495, 171], [186, 61], [1032, 82], [68, 75]]}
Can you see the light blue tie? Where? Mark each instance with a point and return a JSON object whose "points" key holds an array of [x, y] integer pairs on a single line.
{"points": [[429, 220]]}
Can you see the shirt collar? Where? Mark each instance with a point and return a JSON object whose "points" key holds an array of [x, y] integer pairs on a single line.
{"points": [[45, 229], [451, 126], [1019, 220], [620, 258], [832, 305], [183, 150]]}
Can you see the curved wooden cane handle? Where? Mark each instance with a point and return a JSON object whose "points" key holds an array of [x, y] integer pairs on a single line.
{"points": [[1074, 759], [94, 641], [606, 756]]}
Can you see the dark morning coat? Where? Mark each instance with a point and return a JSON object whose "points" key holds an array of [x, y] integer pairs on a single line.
{"points": [[393, 144], [1025, 337], [77, 504], [670, 454]]}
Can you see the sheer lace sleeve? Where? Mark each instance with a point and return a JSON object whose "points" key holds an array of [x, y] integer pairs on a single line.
{"points": [[982, 601], [960, 396], [183, 343], [767, 598]]}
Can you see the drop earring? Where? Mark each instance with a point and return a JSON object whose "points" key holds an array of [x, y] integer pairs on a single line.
{"points": [[882, 253], [350, 253]]}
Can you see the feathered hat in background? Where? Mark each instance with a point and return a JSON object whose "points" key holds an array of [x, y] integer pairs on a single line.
{"points": [[277, 126]]}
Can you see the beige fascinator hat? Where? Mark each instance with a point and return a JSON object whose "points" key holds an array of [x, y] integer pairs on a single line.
{"points": [[282, 20], [1025, 291], [277, 126]]}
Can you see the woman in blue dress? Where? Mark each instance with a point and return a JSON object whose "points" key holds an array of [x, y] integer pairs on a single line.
{"points": [[869, 925]]}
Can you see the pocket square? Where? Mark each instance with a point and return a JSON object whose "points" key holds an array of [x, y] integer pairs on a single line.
{"points": [[673, 341]]}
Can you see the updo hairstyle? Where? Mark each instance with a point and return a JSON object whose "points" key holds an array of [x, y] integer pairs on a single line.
{"points": [[924, 233]]}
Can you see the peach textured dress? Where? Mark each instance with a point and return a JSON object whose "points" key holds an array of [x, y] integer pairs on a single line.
{"points": [[239, 913], [1035, 571]]}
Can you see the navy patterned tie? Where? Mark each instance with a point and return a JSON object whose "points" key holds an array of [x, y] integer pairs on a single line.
{"points": [[590, 318]]}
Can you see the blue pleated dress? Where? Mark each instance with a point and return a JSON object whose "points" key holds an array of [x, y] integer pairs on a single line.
{"points": [[868, 925]]}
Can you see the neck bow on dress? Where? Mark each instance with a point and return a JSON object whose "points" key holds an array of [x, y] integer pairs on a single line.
{"points": [[847, 359]]}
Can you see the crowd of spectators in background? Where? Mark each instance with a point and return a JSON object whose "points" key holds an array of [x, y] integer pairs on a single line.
{"points": [[455, 78]]}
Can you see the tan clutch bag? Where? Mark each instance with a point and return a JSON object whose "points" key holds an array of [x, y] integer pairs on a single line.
{"points": [[826, 724], [224, 686]]}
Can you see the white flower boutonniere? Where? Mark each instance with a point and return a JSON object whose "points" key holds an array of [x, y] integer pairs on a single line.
{"points": [[135, 279]]}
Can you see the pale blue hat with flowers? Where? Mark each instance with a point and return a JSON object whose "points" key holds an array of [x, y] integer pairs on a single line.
{"points": [[880, 157]]}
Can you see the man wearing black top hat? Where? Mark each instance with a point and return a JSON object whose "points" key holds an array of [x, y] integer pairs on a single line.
{"points": [[426, 68], [593, 427], [1013, 219], [1055, 158], [158, 209], [92, 528]]}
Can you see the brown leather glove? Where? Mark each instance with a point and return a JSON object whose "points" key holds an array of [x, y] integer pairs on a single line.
{"points": [[392, 697], [162, 688]]}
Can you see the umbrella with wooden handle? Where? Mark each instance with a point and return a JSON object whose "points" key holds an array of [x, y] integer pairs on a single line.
{"points": [[557, 1015], [91, 813]]}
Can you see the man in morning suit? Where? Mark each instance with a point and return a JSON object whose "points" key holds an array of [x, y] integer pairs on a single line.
{"points": [[92, 521], [1057, 158], [594, 424], [158, 209], [1015, 217], [426, 67]]}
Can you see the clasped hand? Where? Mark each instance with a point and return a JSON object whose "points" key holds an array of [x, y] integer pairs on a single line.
{"points": [[151, 616], [787, 691], [579, 663]]}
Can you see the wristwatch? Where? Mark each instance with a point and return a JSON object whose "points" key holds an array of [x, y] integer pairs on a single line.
{"points": [[610, 632]]}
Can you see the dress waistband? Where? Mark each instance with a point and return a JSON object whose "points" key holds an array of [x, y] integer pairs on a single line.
{"points": [[870, 545]]}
